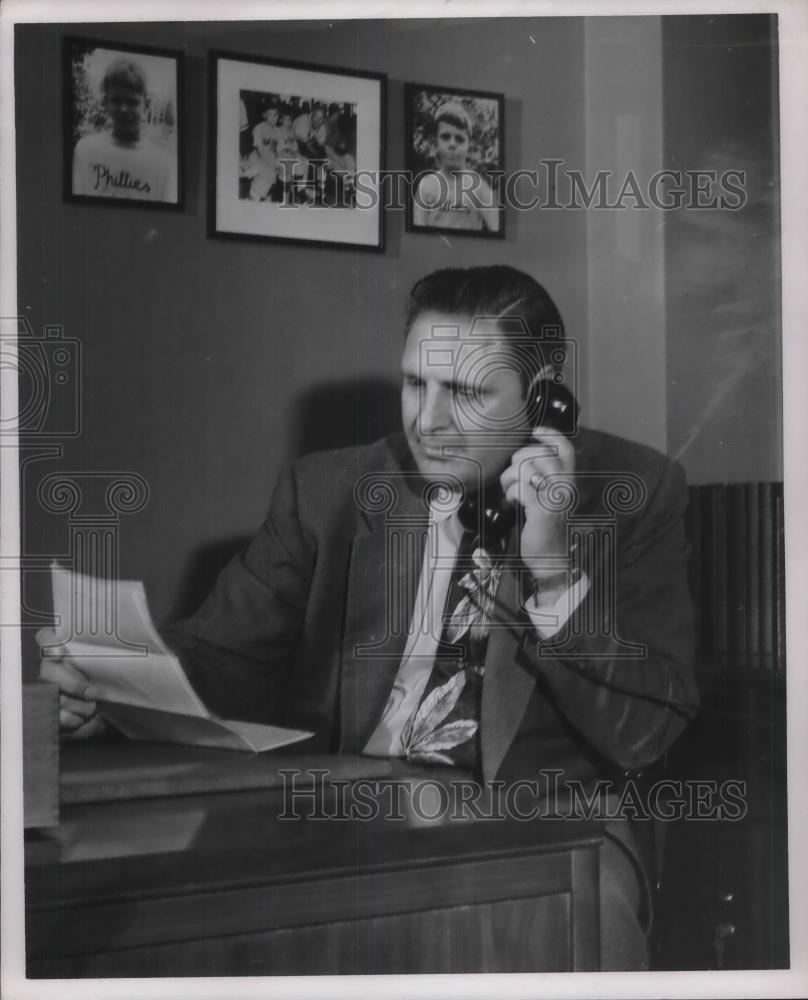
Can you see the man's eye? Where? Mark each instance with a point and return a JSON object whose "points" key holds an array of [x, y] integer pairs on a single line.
{"points": [[412, 382], [465, 391]]}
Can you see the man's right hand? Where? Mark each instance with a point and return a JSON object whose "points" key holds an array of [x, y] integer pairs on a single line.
{"points": [[78, 712]]}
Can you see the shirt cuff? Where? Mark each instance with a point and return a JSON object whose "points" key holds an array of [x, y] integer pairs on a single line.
{"points": [[549, 621]]}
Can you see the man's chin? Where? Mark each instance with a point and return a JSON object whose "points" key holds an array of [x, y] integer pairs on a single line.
{"points": [[446, 469]]}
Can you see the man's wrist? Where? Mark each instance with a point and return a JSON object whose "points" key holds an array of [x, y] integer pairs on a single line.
{"points": [[549, 610], [548, 584], [548, 587]]}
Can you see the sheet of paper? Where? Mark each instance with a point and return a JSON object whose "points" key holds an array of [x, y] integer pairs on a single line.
{"points": [[148, 724], [260, 737], [108, 613], [143, 691], [109, 633], [151, 681]]}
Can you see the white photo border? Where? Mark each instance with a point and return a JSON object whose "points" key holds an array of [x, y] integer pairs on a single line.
{"points": [[361, 227]]}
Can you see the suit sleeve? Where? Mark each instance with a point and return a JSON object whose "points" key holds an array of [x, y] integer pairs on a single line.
{"points": [[236, 650], [630, 708]]}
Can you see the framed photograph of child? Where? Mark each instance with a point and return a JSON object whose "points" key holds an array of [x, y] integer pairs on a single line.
{"points": [[296, 152], [455, 160], [122, 124]]}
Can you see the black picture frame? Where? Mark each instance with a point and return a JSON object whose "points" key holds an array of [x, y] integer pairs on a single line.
{"points": [[323, 128], [435, 202], [161, 139]]}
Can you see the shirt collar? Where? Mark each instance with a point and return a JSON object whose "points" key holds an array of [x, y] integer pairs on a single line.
{"points": [[443, 512]]}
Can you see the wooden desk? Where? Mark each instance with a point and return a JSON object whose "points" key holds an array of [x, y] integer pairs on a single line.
{"points": [[217, 884]]}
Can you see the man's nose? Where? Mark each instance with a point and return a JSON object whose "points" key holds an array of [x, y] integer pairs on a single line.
{"points": [[436, 409]]}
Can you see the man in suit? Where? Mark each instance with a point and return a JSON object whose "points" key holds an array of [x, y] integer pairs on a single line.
{"points": [[379, 607]]}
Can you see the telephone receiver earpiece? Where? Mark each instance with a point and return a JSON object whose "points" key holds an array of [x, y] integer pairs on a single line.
{"points": [[488, 513], [553, 406]]}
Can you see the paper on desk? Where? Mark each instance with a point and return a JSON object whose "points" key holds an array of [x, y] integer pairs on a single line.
{"points": [[225, 734], [107, 630]]}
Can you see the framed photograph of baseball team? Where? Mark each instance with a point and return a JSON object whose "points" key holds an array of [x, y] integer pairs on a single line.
{"points": [[297, 152], [123, 124], [455, 159]]}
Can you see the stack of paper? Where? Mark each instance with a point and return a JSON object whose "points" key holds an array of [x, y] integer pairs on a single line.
{"points": [[108, 633]]}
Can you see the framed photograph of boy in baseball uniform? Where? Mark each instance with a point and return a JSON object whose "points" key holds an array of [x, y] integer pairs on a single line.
{"points": [[122, 124], [455, 147]]}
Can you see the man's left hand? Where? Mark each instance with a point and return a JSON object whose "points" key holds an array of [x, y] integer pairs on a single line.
{"points": [[544, 534]]}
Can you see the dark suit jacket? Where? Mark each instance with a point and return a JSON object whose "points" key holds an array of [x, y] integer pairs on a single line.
{"points": [[308, 625]]}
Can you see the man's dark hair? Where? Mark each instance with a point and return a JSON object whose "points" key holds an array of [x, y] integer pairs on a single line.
{"points": [[496, 291], [518, 302]]}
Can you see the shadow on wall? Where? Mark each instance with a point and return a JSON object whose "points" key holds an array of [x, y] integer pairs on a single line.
{"points": [[203, 567], [338, 415], [325, 417]]}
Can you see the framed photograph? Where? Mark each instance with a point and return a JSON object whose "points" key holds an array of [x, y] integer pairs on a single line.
{"points": [[455, 146], [122, 124], [296, 152]]}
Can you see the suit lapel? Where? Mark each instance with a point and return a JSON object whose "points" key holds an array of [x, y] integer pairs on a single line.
{"points": [[385, 567]]}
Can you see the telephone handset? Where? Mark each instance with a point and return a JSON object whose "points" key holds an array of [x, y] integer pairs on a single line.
{"points": [[488, 512]]}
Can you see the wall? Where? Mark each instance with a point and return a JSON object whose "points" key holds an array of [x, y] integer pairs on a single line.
{"points": [[625, 250], [723, 355], [207, 363]]}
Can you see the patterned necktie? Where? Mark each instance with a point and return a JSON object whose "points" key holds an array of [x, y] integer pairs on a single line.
{"points": [[444, 729]]}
